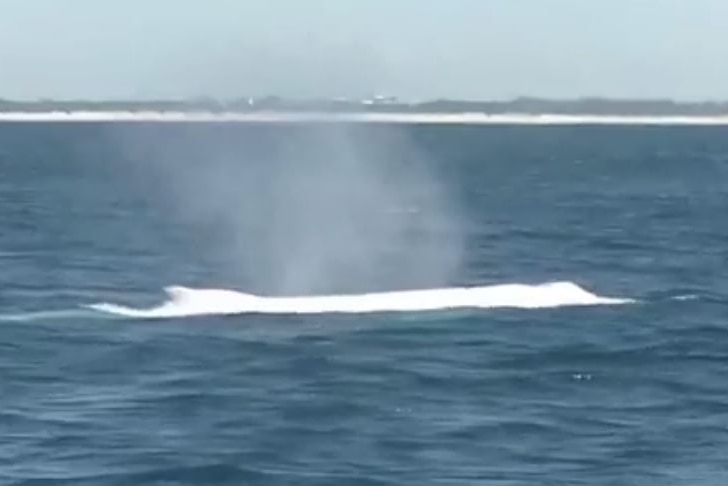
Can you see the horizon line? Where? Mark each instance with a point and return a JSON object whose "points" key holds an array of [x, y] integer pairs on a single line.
{"points": [[363, 117], [391, 97]]}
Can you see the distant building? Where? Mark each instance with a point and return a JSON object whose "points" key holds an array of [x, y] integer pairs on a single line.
{"points": [[381, 100]]}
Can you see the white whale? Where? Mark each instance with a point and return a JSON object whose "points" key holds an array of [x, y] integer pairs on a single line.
{"points": [[185, 301]]}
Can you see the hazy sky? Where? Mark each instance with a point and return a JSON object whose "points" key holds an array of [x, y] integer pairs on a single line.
{"points": [[478, 49]]}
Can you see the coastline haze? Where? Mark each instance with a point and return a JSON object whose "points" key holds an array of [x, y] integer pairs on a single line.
{"points": [[465, 49]]}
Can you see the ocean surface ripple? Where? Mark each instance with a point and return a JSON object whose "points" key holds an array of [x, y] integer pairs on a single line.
{"points": [[580, 338]]}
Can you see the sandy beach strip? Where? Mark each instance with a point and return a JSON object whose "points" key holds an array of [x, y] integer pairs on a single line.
{"points": [[403, 118]]}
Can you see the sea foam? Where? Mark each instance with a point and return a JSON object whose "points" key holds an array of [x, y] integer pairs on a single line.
{"points": [[184, 302]]}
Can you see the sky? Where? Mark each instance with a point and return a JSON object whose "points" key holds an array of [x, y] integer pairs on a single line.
{"points": [[413, 49]]}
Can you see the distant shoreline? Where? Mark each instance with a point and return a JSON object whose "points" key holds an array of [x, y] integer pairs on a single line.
{"points": [[361, 117]]}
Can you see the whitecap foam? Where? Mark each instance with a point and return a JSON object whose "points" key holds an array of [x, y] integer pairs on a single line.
{"points": [[186, 302], [49, 315]]}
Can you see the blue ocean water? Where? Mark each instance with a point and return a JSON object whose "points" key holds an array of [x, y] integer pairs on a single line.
{"points": [[601, 393]]}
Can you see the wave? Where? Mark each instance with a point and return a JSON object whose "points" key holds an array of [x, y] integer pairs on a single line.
{"points": [[187, 302], [51, 315]]}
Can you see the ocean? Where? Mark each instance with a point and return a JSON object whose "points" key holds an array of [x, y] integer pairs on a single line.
{"points": [[362, 304]]}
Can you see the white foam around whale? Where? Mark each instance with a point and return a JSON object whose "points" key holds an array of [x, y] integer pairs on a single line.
{"points": [[185, 302]]}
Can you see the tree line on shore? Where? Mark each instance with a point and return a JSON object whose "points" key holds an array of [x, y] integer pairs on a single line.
{"points": [[529, 106]]}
